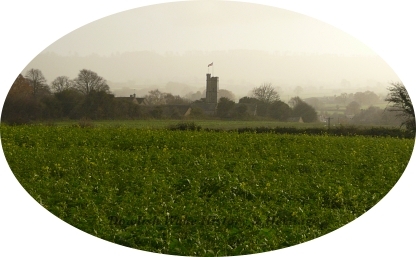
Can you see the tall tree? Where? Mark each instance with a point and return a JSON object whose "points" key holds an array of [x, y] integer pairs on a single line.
{"points": [[261, 107], [88, 81], [226, 93], [37, 81], [156, 97], [280, 110], [62, 83], [69, 99], [266, 93], [401, 103], [304, 110], [19, 106], [224, 107]]}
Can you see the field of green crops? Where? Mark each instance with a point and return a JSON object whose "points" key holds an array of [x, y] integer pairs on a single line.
{"points": [[200, 192]]}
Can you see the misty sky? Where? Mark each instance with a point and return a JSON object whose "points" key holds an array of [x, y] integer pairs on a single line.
{"points": [[248, 43], [207, 26]]}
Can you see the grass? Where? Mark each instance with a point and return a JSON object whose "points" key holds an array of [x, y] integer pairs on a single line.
{"points": [[199, 192]]}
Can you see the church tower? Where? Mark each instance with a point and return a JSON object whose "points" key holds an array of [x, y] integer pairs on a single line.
{"points": [[212, 89]]}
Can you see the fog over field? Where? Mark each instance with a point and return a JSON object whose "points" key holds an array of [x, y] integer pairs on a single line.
{"points": [[169, 46]]}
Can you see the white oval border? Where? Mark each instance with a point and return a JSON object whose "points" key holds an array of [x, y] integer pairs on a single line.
{"points": [[29, 26]]}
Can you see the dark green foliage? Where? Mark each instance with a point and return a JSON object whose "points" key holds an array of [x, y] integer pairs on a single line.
{"points": [[225, 107], [262, 107], [185, 126], [68, 99], [156, 112], [279, 111], [96, 105], [402, 105], [304, 110]]}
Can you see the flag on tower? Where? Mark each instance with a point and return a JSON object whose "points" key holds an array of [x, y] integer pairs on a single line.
{"points": [[210, 64]]}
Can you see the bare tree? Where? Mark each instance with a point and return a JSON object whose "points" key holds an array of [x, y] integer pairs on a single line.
{"points": [[37, 81], [156, 97], [88, 81], [401, 103], [62, 83], [266, 93]]}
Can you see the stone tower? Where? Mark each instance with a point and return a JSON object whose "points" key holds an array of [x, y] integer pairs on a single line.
{"points": [[212, 89]]}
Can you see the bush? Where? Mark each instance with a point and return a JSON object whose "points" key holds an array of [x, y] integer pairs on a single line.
{"points": [[85, 123], [185, 126]]}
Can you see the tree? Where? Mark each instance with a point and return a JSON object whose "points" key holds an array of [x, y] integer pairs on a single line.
{"points": [[367, 97], [194, 96], [265, 93], [20, 88], [69, 99], [248, 100], [62, 83], [342, 99], [261, 107], [353, 108], [224, 107], [88, 81], [156, 97], [280, 111], [175, 99], [240, 111], [37, 81], [304, 110], [401, 103], [19, 106], [96, 105], [226, 93], [315, 103]]}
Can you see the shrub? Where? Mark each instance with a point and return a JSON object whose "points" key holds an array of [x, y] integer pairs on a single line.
{"points": [[185, 126], [85, 123]]}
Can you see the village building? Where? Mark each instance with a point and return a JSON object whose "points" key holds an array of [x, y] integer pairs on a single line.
{"points": [[209, 104], [135, 100]]}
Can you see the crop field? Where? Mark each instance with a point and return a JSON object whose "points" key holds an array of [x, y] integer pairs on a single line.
{"points": [[200, 192]]}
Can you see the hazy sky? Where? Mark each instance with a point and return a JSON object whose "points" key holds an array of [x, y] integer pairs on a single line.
{"points": [[248, 43], [207, 26]]}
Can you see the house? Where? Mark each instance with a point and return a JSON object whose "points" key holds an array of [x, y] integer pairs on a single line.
{"points": [[209, 104], [136, 100], [207, 108], [142, 101]]}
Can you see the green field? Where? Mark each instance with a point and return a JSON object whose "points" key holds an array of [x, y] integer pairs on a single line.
{"points": [[199, 192]]}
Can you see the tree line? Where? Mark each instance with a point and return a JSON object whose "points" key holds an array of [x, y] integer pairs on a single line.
{"points": [[268, 104], [88, 96]]}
